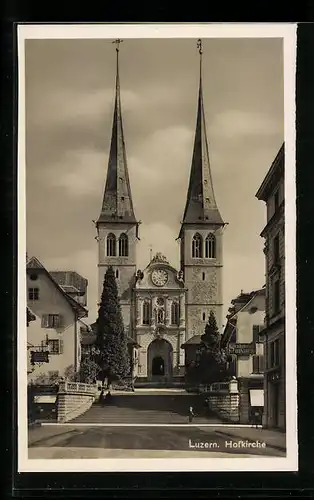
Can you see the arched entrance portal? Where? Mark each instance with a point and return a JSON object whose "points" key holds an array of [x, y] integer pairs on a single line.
{"points": [[159, 360], [158, 366]]}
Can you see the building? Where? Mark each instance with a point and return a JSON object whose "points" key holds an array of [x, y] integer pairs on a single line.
{"points": [[271, 192], [53, 346], [73, 284], [243, 343], [162, 307]]}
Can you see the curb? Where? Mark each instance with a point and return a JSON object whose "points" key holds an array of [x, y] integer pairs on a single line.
{"points": [[275, 447]]}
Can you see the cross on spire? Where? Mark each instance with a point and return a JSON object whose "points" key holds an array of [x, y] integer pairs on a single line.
{"points": [[117, 43], [199, 46]]}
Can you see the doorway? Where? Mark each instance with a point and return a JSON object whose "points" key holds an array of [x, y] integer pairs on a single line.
{"points": [[158, 366], [159, 360]]}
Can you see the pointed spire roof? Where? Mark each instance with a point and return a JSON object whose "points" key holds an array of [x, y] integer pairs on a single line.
{"points": [[201, 206], [117, 202]]}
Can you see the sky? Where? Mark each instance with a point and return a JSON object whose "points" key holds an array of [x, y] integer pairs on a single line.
{"points": [[69, 92]]}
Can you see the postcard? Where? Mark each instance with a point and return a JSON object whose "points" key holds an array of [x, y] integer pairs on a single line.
{"points": [[156, 240]]}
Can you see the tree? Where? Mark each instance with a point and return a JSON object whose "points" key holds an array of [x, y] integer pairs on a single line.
{"points": [[211, 359], [113, 358], [89, 370]]}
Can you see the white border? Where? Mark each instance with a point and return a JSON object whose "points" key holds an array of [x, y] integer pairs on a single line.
{"points": [[288, 33]]}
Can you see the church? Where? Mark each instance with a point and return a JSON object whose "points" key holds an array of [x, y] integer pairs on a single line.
{"points": [[162, 307]]}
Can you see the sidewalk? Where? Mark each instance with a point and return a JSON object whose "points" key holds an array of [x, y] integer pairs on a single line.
{"points": [[273, 439], [92, 453]]}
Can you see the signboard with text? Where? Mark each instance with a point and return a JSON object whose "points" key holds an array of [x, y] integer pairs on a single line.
{"points": [[39, 357], [242, 349]]}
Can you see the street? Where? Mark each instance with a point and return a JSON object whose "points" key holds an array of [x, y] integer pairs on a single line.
{"points": [[83, 441]]}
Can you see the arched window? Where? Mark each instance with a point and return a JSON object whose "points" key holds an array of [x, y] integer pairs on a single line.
{"points": [[146, 313], [175, 313], [197, 246], [210, 246], [123, 245], [111, 245]]}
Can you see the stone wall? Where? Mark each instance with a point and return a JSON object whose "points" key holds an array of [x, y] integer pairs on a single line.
{"points": [[73, 399], [224, 400], [226, 406]]}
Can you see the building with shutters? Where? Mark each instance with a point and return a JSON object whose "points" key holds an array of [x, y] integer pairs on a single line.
{"points": [[162, 307], [53, 325], [241, 338], [272, 192]]}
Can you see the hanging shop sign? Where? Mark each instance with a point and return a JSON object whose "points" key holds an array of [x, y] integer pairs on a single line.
{"points": [[39, 357], [242, 349]]}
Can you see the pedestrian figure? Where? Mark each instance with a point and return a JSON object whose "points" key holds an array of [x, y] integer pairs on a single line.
{"points": [[102, 397], [108, 397], [191, 414]]}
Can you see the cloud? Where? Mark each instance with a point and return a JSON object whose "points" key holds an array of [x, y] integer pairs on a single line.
{"points": [[232, 124], [59, 107], [160, 238], [80, 172]]}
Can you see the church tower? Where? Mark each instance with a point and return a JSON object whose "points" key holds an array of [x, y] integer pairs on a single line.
{"points": [[201, 234], [117, 227]]}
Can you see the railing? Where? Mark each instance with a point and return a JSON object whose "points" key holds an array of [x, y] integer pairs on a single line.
{"points": [[76, 387], [228, 387], [219, 386]]}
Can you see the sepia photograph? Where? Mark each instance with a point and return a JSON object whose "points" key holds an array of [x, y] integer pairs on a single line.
{"points": [[156, 181]]}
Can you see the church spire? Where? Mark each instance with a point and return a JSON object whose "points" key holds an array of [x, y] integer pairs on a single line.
{"points": [[201, 205], [117, 202]]}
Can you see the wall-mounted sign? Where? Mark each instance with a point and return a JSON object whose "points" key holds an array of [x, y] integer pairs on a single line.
{"points": [[242, 349], [39, 357]]}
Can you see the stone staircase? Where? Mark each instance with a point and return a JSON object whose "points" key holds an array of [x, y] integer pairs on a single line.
{"points": [[153, 408], [160, 382]]}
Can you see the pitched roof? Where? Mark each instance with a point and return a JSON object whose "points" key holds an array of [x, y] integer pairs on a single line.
{"points": [[34, 264], [239, 303], [195, 340], [117, 205], [273, 175], [30, 316]]}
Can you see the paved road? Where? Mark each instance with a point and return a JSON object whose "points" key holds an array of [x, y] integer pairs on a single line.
{"points": [[115, 439]]}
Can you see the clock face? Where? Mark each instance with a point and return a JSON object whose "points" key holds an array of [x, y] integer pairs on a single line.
{"points": [[159, 277]]}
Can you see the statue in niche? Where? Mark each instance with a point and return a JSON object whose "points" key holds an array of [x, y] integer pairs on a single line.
{"points": [[180, 275], [139, 275], [160, 315]]}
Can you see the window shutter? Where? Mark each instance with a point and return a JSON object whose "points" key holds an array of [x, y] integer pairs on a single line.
{"points": [[261, 364], [255, 364], [58, 321], [256, 329], [60, 346], [44, 321]]}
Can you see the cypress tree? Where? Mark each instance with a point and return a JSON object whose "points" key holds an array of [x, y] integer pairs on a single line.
{"points": [[111, 341]]}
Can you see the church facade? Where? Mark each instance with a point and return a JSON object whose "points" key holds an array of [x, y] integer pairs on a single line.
{"points": [[162, 307]]}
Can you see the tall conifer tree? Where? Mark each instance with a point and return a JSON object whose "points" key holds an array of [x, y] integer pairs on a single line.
{"points": [[111, 340]]}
